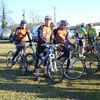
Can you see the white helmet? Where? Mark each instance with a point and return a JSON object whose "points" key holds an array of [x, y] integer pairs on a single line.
{"points": [[48, 17]]}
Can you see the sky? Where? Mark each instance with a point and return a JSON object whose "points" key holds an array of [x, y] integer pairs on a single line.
{"points": [[74, 11]]}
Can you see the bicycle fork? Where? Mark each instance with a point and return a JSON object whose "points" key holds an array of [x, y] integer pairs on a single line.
{"points": [[53, 63]]}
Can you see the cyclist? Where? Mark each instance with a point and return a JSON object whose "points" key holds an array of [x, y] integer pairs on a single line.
{"points": [[20, 38], [44, 36], [91, 33], [81, 34], [61, 37]]}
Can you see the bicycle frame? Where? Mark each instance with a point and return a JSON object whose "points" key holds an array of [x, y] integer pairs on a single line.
{"points": [[49, 52], [49, 56]]}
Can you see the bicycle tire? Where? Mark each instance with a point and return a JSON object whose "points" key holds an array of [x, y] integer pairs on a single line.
{"points": [[23, 65], [9, 59], [31, 61], [29, 49], [57, 74], [74, 70], [31, 58], [91, 63]]}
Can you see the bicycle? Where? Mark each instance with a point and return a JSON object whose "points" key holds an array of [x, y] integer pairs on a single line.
{"points": [[92, 63], [54, 67], [73, 65], [18, 58], [9, 57]]}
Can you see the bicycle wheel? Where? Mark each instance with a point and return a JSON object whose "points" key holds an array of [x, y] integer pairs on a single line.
{"points": [[29, 49], [31, 61], [9, 59], [30, 58], [73, 56], [97, 49], [55, 71], [73, 70], [23, 65], [91, 63]]}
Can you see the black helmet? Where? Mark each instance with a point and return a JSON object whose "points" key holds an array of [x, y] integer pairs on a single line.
{"points": [[82, 25], [23, 22], [48, 17], [90, 24], [63, 22]]}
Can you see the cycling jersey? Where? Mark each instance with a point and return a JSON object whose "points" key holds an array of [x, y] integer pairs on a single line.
{"points": [[44, 34], [81, 32], [60, 35], [21, 35], [91, 32]]}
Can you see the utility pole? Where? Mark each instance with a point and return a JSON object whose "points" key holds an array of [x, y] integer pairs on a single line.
{"points": [[54, 14], [23, 14]]}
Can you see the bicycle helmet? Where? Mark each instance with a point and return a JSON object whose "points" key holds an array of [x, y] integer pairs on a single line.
{"points": [[23, 22], [64, 22], [48, 17], [90, 24], [82, 25]]}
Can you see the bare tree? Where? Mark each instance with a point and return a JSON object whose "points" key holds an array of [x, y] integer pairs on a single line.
{"points": [[36, 19], [4, 14]]}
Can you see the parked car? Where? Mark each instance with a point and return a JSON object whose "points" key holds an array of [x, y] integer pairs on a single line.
{"points": [[5, 33]]}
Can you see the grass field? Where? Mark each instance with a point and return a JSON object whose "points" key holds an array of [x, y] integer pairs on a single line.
{"points": [[14, 86]]}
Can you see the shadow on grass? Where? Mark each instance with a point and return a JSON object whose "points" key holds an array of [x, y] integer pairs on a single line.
{"points": [[2, 61], [45, 91], [9, 74], [95, 76], [4, 42], [3, 54], [12, 75]]}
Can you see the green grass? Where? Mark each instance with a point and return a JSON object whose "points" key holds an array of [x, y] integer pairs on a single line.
{"points": [[14, 86]]}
